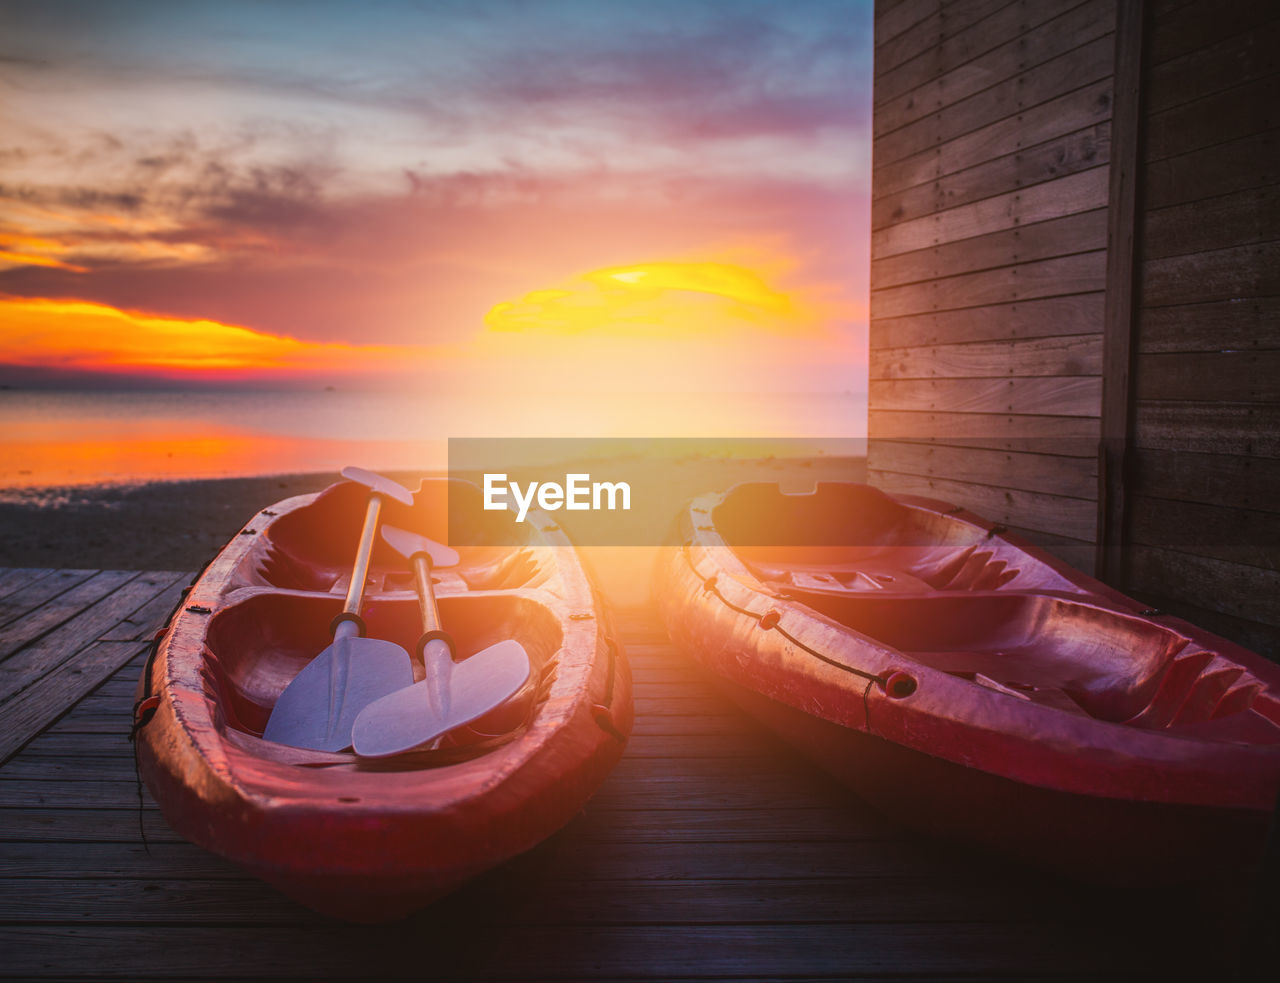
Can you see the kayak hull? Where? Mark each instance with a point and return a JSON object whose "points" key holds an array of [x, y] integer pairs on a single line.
{"points": [[1027, 712], [373, 840], [1079, 836]]}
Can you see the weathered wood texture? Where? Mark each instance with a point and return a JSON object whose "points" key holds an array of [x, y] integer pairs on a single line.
{"points": [[67, 631], [1075, 253], [712, 852], [990, 187], [1204, 524]]}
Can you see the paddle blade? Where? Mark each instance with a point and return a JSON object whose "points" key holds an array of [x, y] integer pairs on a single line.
{"points": [[375, 482], [317, 709], [410, 544], [413, 716]]}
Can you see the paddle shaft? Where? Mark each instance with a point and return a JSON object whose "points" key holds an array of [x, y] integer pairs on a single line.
{"points": [[360, 570], [433, 648], [426, 592], [430, 612]]}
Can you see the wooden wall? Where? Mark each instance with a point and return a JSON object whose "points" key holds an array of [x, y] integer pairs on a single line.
{"points": [[990, 187], [1203, 504], [1075, 261]]}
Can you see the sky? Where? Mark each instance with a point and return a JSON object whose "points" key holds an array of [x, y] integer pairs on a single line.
{"points": [[567, 195]]}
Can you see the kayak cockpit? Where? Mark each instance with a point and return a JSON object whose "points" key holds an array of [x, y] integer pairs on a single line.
{"points": [[1069, 654], [257, 645], [953, 595], [854, 538], [310, 549]]}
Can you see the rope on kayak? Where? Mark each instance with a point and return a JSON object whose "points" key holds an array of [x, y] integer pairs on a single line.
{"points": [[144, 708], [770, 622], [603, 712]]}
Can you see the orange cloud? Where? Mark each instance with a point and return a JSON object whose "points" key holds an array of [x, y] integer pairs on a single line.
{"points": [[72, 334], [28, 250]]}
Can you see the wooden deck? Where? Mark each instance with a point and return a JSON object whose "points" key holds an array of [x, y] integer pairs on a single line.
{"points": [[711, 852]]}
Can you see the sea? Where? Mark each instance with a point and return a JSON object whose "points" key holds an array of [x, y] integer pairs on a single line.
{"points": [[59, 438]]}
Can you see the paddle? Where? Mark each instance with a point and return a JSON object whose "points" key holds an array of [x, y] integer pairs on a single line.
{"points": [[453, 693], [317, 709]]}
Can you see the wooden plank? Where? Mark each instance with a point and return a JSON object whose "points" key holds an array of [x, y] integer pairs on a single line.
{"points": [[1228, 533], [925, 36], [39, 591], [965, 32], [1063, 275], [702, 705], [1247, 429], [1079, 192], [1242, 377], [141, 624], [1054, 78], [1056, 158], [1226, 480], [1070, 355], [1073, 518], [803, 823], [1043, 396], [781, 902], [618, 952], [47, 698], [1194, 27], [1086, 107], [563, 858], [1238, 325], [1119, 316], [1050, 434], [1236, 589], [1213, 67], [1248, 162], [85, 825], [134, 590], [62, 607], [1235, 219], [1213, 119], [1072, 28], [1074, 476], [17, 578], [1073, 315], [1219, 274], [1078, 233], [892, 20]]}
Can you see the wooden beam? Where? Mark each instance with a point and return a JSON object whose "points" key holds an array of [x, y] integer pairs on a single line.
{"points": [[1122, 269]]}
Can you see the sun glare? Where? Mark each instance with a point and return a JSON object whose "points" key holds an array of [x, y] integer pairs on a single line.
{"points": [[654, 299]]}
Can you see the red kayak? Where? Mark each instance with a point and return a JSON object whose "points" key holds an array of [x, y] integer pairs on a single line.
{"points": [[976, 687], [373, 839]]}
